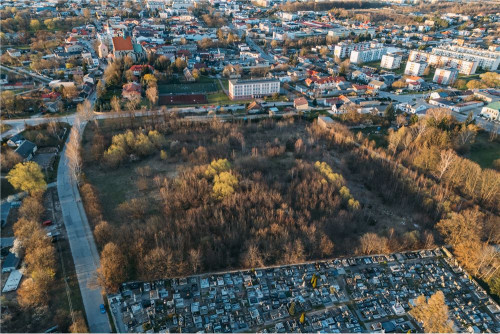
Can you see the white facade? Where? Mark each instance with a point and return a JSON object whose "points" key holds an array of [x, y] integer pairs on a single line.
{"points": [[344, 50], [463, 66], [488, 60], [445, 76], [365, 56], [416, 68], [391, 61], [491, 111], [247, 89]]}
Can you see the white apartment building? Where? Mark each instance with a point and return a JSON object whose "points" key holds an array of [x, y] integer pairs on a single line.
{"points": [[343, 49], [366, 56], [248, 89], [486, 59], [445, 76], [416, 68], [344, 31], [155, 5], [463, 66], [391, 61]]}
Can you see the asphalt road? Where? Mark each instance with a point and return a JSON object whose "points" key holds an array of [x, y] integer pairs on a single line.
{"points": [[22, 71], [83, 248]]}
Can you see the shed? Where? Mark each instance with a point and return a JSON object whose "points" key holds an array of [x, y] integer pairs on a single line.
{"points": [[10, 263], [13, 281]]}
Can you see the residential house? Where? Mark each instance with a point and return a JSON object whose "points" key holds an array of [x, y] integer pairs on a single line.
{"points": [[377, 85], [138, 69], [16, 140], [301, 103], [26, 150], [131, 90]]}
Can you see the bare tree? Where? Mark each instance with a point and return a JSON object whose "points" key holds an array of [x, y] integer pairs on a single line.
{"points": [[73, 152], [115, 104], [195, 259], [85, 111], [152, 95], [447, 158], [370, 243]]}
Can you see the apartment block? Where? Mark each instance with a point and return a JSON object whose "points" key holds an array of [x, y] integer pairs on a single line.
{"points": [[487, 60], [445, 76], [248, 89], [391, 61], [416, 68], [343, 49], [463, 66], [365, 56]]}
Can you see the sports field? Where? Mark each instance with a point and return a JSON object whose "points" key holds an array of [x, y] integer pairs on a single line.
{"points": [[182, 99], [188, 88]]}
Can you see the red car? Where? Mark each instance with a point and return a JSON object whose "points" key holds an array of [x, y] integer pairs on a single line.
{"points": [[47, 223]]}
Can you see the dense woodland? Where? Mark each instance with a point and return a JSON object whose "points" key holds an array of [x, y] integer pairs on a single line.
{"points": [[247, 195]]}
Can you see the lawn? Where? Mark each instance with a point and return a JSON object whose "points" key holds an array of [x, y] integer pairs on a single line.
{"points": [[218, 98], [483, 151], [188, 88]]}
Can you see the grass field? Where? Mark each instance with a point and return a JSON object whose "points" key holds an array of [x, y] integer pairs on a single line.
{"points": [[483, 151], [218, 98], [188, 88]]}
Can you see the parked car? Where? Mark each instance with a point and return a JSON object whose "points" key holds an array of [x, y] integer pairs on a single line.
{"points": [[47, 223], [102, 308]]}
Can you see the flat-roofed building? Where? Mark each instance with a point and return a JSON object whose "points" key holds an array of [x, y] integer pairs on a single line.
{"points": [[445, 76], [466, 67], [391, 61], [366, 56], [486, 59], [415, 68], [248, 89]]}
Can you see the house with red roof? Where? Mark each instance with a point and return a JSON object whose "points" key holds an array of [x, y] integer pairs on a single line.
{"points": [[131, 90], [138, 69], [301, 103], [325, 82]]}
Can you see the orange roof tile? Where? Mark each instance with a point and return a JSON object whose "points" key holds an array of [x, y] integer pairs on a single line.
{"points": [[122, 44]]}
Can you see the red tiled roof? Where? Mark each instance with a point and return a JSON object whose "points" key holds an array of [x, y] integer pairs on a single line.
{"points": [[122, 44], [132, 87], [300, 101], [140, 67]]}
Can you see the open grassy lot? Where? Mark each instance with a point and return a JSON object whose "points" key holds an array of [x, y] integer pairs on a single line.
{"points": [[483, 151]]}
